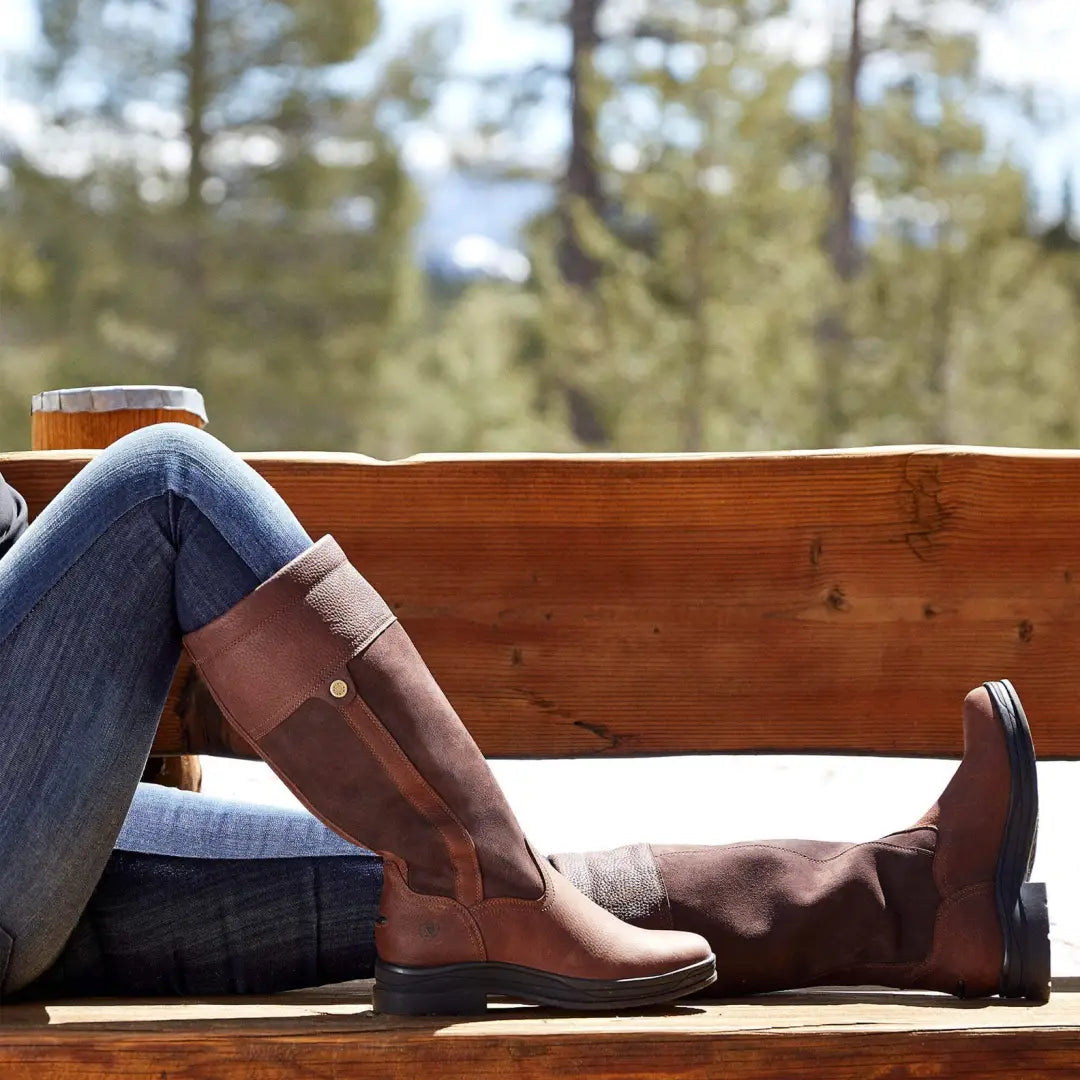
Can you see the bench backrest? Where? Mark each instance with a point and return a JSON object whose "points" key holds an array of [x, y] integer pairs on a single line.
{"points": [[812, 602]]}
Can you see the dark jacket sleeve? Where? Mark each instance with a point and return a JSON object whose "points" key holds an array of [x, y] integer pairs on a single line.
{"points": [[12, 516]]}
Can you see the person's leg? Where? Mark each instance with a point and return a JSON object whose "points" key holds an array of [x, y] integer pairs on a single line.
{"points": [[211, 897], [158, 535], [943, 905], [316, 673], [204, 896], [149, 546]]}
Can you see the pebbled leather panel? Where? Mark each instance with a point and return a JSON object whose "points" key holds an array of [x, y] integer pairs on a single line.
{"points": [[287, 639], [626, 881]]}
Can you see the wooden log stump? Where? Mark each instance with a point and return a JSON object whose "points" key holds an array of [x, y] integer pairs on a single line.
{"points": [[91, 418]]}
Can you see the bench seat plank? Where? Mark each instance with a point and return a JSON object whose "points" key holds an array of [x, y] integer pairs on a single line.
{"points": [[331, 1032], [604, 605]]}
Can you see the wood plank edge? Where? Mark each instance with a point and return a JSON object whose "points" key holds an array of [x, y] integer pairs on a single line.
{"points": [[816, 1055]]}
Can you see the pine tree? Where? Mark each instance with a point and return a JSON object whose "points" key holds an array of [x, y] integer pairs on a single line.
{"points": [[230, 212], [960, 330], [704, 245]]}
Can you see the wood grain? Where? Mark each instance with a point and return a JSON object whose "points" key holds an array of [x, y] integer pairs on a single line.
{"points": [[822, 602], [81, 430], [331, 1034]]}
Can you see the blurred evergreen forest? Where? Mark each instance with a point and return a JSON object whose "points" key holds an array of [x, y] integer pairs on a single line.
{"points": [[741, 252]]}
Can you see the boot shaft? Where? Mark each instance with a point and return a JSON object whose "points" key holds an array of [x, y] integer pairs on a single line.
{"points": [[314, 669], [781, 913]]}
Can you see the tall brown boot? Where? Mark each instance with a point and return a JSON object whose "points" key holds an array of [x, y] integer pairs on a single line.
{"points": [[945, 905], [315, 672]]}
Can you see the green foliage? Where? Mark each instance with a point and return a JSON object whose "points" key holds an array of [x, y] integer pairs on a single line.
{"points": [[718, 307], [213, 208], [464, 386], [237, 224]]}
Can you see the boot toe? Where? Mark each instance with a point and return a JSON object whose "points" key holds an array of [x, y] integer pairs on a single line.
{"points": [[659, 952], [686, 949], [977, 705]]}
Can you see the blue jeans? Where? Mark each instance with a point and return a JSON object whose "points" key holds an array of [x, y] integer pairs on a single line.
{"points": [[107, 885]]}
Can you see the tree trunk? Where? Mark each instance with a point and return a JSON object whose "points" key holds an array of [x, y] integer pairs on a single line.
{"points": [[834, 335], [581, 186], [695, 393], [842, 249], [581, 182], [196, 64], [940, 376]]}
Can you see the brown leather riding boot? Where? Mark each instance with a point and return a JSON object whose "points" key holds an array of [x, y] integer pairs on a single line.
{"points": [[945, 905], [315, 672]]}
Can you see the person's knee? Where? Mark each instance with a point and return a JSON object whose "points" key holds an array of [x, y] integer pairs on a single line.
{"points": [[166, 439], [172, 454]]}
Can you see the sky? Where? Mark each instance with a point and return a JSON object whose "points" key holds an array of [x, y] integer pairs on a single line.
{"points": [[1039, 41]]}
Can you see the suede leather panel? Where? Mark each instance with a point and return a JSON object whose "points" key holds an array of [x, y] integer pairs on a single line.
{"points": [[783, 914], [320, 757], [401, 772], [972, 810], [399, 689]]}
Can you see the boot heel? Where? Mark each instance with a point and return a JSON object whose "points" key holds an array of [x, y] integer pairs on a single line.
{"points": [[1029, 969], [401, 991]]}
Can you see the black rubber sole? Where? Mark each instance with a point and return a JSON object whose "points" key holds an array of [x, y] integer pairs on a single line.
{"points": [[1021, 905], [464, 989]]}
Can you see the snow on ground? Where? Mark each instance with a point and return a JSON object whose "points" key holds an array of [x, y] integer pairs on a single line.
{"points": [[586, 804]]}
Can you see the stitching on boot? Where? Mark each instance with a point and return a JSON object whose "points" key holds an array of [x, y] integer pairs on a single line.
{"points": [[433, 899], [403, 758], [269, 723], [211, 656], [764, 846]]}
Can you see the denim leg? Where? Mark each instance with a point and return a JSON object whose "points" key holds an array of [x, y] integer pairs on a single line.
{"points": [[156, 536], [164, 821], [208, 896]]}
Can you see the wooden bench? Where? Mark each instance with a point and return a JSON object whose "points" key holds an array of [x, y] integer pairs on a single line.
{"points": [[834, 602]]}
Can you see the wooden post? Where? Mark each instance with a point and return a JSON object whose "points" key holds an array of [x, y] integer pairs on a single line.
{"points": [[91, 418]]}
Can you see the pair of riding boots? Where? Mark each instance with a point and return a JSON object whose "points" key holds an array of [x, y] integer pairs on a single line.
{"points": [[315, 672]]}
